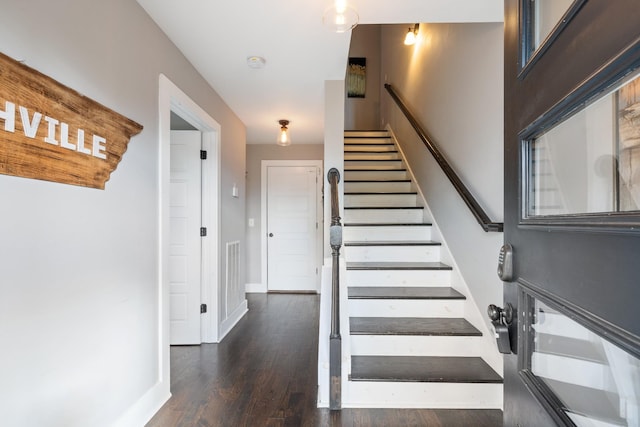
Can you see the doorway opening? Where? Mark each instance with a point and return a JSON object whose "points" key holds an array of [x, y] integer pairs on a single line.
{"points": [[173, 101]]}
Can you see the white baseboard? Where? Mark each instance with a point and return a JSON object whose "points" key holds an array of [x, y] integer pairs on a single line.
{"points": [[255, 288], [230, 322], [146, 407]]}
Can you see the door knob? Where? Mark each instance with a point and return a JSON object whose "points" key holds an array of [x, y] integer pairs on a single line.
{"points": [[500, 318], [270, 234]]}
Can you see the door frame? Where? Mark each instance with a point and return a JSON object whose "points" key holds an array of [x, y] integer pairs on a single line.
{"points": [[172, 98], [265, 164]]}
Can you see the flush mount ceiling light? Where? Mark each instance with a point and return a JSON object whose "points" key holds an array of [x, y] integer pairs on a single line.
{"points": [[412, 34], [256, 61], [284, 138], [340, 17]]}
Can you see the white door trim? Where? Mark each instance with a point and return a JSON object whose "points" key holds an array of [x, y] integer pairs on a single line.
{"points": [[171, 98], [263, 214]]}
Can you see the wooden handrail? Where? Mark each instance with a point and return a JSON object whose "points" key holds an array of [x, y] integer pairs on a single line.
{"points": [[463, 191], [335, 340]]}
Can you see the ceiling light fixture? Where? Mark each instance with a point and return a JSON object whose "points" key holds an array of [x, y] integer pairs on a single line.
{"points": [[256, 61], [340, 17], [412, 35], [283, 135]]}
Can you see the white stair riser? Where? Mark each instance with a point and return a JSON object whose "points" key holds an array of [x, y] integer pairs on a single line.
{"points": [[383, 216], [397, 345], [406, 308], [363, 394], [573, 371], [375, 174], [371, 164], [372, 156], [383, 200], [369, 147], [392, 253], [353, 187], [386, 233], [399, 277]]}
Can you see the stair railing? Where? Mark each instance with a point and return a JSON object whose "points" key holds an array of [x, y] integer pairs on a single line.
{"points": [[335, 340], [463, 191]]}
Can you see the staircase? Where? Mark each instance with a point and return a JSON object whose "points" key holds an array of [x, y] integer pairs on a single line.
{"points": [[411, 345]]}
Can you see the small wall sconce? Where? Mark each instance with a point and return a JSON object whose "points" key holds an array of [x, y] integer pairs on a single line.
{"points": [[410, 38], [283, 136]]}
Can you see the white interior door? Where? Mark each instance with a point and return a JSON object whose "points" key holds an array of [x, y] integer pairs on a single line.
{"points": [[185, 252], [292, 259]]}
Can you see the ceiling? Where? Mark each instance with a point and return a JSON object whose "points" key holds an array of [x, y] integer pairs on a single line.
{"points": [[217, 36]]}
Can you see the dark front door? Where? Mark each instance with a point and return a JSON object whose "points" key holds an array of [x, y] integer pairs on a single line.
{"points": [[572, 212]]}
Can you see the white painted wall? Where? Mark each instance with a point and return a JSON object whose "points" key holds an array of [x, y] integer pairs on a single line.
{"points": [[453, 80], [79, 283]]}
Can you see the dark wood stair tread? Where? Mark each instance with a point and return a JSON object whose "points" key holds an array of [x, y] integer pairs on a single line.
{"points": [[387, 224], [385, 207], [422, 369], [410, 292], [379, 193], [375, 170], [397, 266], [394, 243], [377, 180], [415, 326]]}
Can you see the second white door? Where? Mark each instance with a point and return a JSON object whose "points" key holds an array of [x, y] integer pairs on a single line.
{"points": [[185, 257], [292, 228]]}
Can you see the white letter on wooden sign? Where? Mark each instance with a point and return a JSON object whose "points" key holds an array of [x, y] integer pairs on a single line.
{"points": [[98, 147], [9, 116], [30, 127]]}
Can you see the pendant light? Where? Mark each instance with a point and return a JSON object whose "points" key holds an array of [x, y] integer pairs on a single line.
{"points": [[284, 138]]}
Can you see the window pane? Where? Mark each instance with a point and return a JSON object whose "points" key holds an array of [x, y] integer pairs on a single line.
{"points": [[597, 382], [547, 14], [590, 163]]}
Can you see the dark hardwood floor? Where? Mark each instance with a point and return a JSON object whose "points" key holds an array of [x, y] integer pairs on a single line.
{"points": [[264, 373]]}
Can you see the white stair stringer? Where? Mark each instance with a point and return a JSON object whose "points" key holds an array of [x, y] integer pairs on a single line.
{"points": [[386, 231]]}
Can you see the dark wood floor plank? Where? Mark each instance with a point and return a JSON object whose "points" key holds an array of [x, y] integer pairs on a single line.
{"points": [[264, 373]]}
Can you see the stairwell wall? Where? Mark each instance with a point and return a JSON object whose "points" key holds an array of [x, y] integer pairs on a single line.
{"points": [[452, 80]]}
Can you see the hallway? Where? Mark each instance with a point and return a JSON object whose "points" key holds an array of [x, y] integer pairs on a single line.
{"points": [[264, 374]]}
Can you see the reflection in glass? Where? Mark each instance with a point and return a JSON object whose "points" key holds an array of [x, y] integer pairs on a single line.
{"points": [[590, 163], [597, 382], [547, 14]]}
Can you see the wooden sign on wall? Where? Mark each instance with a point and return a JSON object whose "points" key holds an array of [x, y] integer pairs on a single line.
{"points": [[51, 132]]}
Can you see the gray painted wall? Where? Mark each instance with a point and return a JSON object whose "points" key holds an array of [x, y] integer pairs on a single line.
{"points": [[79, 299], [453, 80], [256, 153], [364, 113]]}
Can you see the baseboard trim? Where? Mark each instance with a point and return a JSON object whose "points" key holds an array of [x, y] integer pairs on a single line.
{"points": [[146, 407], [255, 288], [227, 325]]}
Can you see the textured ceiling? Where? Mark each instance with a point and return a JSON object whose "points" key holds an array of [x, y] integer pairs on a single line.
{"points": [[217, 36]]}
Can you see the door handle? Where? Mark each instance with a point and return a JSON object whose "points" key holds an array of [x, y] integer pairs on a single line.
{"points": [[270, 234], [501, 318]]}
